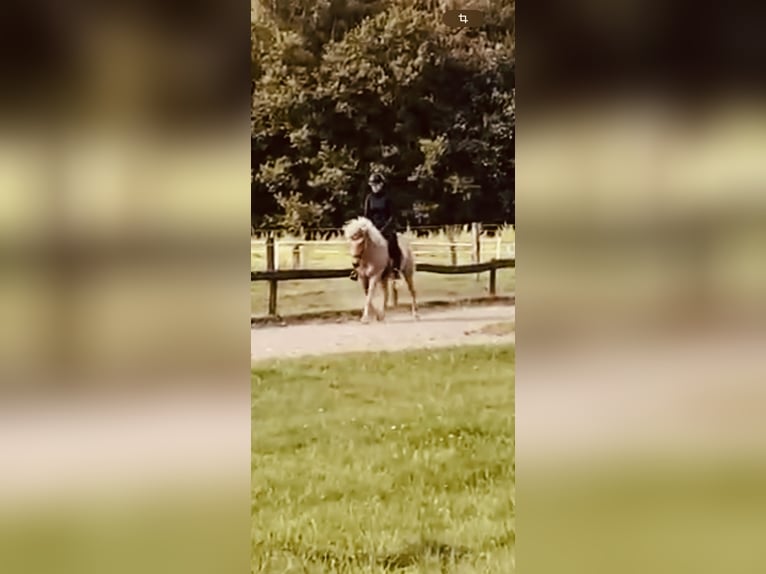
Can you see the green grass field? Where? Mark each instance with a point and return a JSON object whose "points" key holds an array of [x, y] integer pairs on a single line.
{"points": [[372, 463]]}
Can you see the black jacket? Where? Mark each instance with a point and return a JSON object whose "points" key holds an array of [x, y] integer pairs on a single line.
{"points": [[379, 209]]}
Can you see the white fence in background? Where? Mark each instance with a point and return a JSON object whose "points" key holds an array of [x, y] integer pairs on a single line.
{"points": [[476, 250]]}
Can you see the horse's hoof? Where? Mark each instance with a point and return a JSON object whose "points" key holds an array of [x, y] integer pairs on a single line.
{"points": [[416, 316], [364, 320]]}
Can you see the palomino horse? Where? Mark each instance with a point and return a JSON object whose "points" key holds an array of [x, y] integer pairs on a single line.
{"points": [[370, 248]]}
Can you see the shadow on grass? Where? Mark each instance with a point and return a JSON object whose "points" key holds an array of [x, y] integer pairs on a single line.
{"points": [[411, 555], [417, 553]]}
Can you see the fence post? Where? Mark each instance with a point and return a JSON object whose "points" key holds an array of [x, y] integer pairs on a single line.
{"points": [[492, 281], [270, 266], [297, 256], [276, 253], [476, 240], [452, 248]]}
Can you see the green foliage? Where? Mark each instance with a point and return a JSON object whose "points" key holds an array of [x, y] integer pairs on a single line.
{"points": [[341, 87]]}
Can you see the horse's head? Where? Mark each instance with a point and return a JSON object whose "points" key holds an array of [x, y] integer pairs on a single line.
{"points": [[367, 244], [358, 245], [356, 232]]}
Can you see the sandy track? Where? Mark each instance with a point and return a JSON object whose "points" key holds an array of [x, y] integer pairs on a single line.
{"points": [[436, 328]]}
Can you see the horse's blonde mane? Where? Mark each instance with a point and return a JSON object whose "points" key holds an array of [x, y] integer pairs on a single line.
{"points": [[364, 225]]}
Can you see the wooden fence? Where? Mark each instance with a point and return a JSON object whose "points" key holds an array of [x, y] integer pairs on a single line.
{"points": [[476, 246], [274, 275]]}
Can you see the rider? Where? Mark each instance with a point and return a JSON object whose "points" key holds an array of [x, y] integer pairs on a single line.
{"points": [[379, 209]]}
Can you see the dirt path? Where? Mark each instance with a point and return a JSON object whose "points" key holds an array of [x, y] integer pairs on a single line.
{"points": [[436, 328]]}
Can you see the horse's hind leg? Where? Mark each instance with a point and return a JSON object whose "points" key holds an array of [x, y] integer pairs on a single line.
{"points": [[395, 294], [382, 313], [408, 278]]}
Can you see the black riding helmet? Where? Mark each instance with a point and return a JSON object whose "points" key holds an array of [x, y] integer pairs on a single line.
{"points": [[376, 179]]}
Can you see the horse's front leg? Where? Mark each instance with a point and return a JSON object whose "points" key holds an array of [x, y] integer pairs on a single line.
{"points": [[370, 285]]}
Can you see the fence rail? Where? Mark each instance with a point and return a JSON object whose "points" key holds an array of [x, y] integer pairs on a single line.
{"points": [[451, 245], [274, 276]]}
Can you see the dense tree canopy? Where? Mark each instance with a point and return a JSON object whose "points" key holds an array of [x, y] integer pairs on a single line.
{"points": [[343, 87]]}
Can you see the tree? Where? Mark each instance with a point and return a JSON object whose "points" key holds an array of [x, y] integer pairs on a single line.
{"points": [[342, 86]]}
